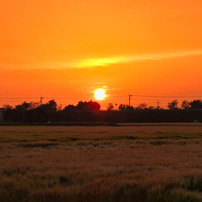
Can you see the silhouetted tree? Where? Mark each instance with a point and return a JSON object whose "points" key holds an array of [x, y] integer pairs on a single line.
{"points": [[152, 108], [49, 106], [88, 105], [93, 105], [110, 107], [82, 105], [7, 111], [90, 112], [142, 106], [52, 105], [129, 108], [59, 107], [7, 108], [26, 106], [69, 108], [173, 104], [122, 107], [185, 104], [196, 104]]}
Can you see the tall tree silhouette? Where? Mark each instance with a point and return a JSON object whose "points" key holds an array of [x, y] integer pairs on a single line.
{"points": [[173, 104], [110, 107], [185, 104], [196, 104]]}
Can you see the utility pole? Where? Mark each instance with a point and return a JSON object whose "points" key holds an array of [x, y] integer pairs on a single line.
{"points": [[129, 98], [41, 100], [158, 103]]}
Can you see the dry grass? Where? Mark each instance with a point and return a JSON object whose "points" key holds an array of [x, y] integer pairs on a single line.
{"points": [[128, 163]]}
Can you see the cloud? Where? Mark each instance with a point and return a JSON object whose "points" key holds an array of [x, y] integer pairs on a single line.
{"points": [[96, 62], [101, 62]]}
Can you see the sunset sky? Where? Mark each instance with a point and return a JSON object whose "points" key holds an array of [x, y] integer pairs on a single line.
{"points": [[69, 48]]}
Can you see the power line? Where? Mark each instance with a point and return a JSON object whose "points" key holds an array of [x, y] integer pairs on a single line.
{"points": [[108, 96], [32, 98], [165, 96], [159, 96], [25, 98], [114, 96], [68, 98]]}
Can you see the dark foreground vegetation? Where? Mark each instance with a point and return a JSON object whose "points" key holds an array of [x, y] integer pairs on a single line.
{"points": [[103, 164], [90, 112]]}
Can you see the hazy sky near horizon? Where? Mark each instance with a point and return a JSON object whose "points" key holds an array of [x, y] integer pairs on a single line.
{"points": [[68, 48]]}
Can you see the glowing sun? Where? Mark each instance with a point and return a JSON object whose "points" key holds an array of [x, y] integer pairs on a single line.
{"points": [[99, 94]]}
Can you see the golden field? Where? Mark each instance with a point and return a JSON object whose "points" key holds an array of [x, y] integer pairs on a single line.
{"points": [[134, 162]]}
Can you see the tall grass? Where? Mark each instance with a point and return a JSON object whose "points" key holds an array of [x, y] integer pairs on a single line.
{"points": [[142, 164]]}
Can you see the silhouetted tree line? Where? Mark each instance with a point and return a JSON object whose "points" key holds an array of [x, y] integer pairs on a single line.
{"points": [[90, 112]]}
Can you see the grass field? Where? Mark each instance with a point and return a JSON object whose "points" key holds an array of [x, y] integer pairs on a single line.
{"points": [[137, 162]]}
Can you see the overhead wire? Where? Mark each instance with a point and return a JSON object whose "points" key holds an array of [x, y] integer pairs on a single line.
{"points": [[107, 96]]}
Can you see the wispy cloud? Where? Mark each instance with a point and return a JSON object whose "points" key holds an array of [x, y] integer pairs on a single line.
{"points": [[98, 62], [101, 61], [95, 62]]}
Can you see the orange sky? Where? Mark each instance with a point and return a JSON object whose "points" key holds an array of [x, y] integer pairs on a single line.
{"points": [[68, 48]]}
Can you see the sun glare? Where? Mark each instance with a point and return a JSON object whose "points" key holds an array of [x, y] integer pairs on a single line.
{"points": [[99, 94]]}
